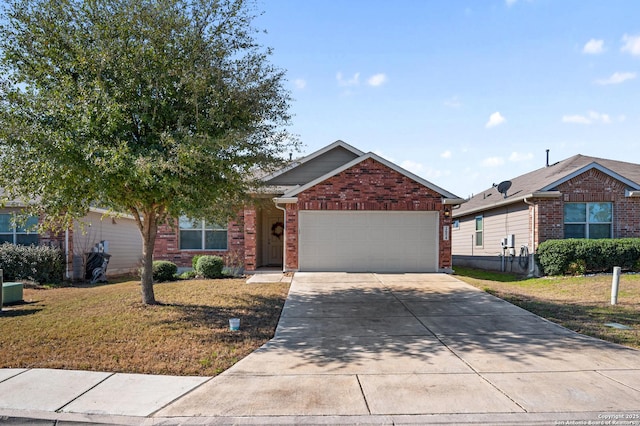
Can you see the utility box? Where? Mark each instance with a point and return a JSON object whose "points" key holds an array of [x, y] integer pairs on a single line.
{"points": [[511, 241], [12, 292]]}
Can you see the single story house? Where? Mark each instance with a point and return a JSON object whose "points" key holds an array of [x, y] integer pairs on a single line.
{"points": [[119, 232], [337, 209], [579, 197]]}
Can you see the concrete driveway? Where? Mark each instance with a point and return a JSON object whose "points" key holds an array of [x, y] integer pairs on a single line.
{"points": [[366, 349], [418, 348]]}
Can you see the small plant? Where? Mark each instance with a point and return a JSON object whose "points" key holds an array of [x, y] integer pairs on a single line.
{"points": [[210, 266], [164, 270], [187, 275], [194, 261]]}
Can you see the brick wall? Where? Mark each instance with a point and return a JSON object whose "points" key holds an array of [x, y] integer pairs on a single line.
{"points": [[369, 185], [167, 245], [591, 186]]}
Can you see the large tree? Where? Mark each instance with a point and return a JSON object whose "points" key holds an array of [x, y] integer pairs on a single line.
{"points": [[154, 108]]}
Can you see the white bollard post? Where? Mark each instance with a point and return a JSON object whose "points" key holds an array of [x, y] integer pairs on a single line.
{"points": [[615, 282]]}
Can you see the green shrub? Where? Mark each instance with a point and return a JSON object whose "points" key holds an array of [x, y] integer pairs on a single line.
{"points": [[210, 266], [41, 264], [556, 257], [194, 262], [164, 270], [187, 275]]}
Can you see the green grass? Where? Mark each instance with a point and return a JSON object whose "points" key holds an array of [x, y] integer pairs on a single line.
{"points": [[582, 303], [107, 328]]}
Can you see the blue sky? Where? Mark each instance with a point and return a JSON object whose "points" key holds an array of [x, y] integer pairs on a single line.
{"points": [[462, 93]]}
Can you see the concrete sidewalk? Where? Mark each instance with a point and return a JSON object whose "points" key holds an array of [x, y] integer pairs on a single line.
{"points": [[367, 349]]}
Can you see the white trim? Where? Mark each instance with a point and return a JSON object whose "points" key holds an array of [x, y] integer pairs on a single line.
{"points": [[370, 155], [588, 167], [502, 203], [311, 156], [630, 194]]}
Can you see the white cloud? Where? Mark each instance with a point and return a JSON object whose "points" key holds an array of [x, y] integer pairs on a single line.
{"points": [[590, 118], [495, 119], [300, 83], [446, 154], [353, 81], [520, 156], [492, 162], [631, 44], [576, 119], [617, 78], [593, 47], [510, 3], [412, 166], [377, 80]]}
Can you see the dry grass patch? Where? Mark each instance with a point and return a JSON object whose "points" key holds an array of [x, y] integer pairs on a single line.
{"points": [[582, 304], [107, 328]]}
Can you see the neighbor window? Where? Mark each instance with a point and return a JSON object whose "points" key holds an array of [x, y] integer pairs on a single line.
{"points": [[23, 233], [478, 240], [202, 235], [588, 220]]}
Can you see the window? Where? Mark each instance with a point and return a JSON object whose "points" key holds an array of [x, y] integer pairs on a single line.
{"points": [[478, 240], [202, 235], [24, 234], [588, 220]]}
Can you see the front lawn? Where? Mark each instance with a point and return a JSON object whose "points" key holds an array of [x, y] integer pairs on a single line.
{"points": [[582, 304], [107, 328]]}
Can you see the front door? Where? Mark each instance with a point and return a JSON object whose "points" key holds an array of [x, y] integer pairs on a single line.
{"points": [[275, 240]]}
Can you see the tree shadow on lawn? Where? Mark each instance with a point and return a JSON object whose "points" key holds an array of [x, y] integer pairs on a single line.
{"points": [[258, 318], [587, 319], [353, 326]]}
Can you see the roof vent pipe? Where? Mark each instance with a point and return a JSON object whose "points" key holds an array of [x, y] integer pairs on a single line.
{"points": [[547, 158]]}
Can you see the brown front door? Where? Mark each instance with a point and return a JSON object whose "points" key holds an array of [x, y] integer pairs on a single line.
{"points": [[275, 240]]}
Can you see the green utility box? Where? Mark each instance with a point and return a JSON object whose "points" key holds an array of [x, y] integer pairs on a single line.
{"points": [[11, 292]]}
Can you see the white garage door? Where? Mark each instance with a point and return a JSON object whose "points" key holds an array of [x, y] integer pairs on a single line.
{"points": [[371, 241]]}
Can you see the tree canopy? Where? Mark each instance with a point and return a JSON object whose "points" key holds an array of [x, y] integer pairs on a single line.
{"points": [[155, 108]]}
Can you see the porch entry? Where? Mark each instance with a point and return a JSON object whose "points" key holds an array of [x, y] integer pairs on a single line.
{"points": [[272, 237]]}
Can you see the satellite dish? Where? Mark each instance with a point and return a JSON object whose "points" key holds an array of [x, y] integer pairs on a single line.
{"points": [[503, 187]]}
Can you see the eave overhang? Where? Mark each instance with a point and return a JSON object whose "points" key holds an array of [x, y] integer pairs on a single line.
{"points": [[508, 201]]}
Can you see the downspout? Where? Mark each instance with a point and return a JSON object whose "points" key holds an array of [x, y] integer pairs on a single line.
{"points": [[66, 252], [284, 237], [532, 266]]}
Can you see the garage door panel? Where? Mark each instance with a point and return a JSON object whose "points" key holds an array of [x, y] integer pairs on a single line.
{"points": [[368, 241]]}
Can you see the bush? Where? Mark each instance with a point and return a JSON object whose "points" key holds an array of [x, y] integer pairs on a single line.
{"points": [[194, 262], [210, 266], [164, 270], [556, 257], [187, 275], [41, 264]]}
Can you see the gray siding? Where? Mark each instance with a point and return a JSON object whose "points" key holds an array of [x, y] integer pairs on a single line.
{"points": [[498, 223], [314, 168], [125, 242]]}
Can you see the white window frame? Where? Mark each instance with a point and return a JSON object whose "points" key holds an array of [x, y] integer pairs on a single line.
{"points": [[586, 223], [14, 228], [478, 232], [203, 236]]}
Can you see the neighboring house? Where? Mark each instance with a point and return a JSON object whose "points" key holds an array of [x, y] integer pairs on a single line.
{"points": [[579, 197], [120, 232], [338, 209]]}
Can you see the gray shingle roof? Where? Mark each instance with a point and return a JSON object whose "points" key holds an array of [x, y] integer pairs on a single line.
{"points": [[547, 178]]}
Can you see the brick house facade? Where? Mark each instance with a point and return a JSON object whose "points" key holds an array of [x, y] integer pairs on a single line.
{"points": [[337, 178], [535, 212]]}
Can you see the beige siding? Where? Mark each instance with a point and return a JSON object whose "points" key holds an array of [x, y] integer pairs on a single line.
{"points": [[498, 223], [125, 242], [314, 168]]}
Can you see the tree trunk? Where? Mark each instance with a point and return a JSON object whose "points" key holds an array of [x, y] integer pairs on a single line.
{"points": [[148, 231]]}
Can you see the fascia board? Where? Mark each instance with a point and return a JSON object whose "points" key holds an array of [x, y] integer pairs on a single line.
{"points": [[311, 156], [537, 194], [588, 167], [373, 156]]}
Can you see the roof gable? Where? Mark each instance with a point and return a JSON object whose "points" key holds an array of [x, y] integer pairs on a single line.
{"points": [[314, 165], [544, 181], [295, 191]]}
